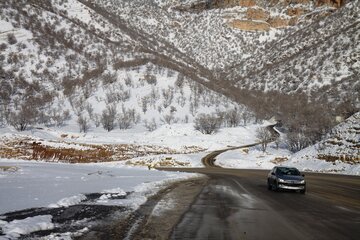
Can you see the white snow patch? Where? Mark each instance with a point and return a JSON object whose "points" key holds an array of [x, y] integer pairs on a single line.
{"points": [[16, 228], [251, 158], [66, 202]]}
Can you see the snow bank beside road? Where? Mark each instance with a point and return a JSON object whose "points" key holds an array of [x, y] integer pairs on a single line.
{"points": [[253, 158]]}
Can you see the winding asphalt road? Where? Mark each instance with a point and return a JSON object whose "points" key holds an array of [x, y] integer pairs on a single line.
{"points": [[235, 204]]}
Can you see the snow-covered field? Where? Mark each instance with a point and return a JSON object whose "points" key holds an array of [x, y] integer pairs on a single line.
{"points": [[38, 184]]}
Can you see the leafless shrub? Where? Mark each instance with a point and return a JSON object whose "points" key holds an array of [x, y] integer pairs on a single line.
{"points": [[186, 119], [169, 119], [168, 95], [109, 78], [23, 118], [97, 119], [170, 73], [180, 80], [59, 117], [297, 141], [90, 110], [150, 126], [124, 121], [108, 118], [78, 105], [3, 47], [207, 123], [264, 136], [117, 96], [44, 118], [233, 117], [11, 38], [245, 116], [150, 79], [83, 123], [144, 103], [129, 82]]}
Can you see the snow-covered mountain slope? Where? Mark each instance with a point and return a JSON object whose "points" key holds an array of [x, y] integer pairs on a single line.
{"points": [[341, 146], [320, 59], [66, 59], [80, 58]]}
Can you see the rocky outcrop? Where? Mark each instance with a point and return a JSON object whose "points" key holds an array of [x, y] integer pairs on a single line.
{"points": [[278, 22], [254, 15], [297, 11], [247, 3], [212, 4], [247, 25], [330, 3], [297, 2], [257, 14]]}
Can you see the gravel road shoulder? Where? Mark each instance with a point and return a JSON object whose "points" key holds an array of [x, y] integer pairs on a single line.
{"points": [[154, 219]]}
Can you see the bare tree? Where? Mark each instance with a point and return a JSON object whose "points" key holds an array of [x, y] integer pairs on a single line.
{"points": [[84, 124], [108, 118], [124, 120], [207, 123], [150, 126], [59, 117], [264, 136], [23, 118], [297, 141], [90, 110], [169, 119], [96, 119], [245, 115], [168, 96], [233, 117], [144, 103], [180, 80]]}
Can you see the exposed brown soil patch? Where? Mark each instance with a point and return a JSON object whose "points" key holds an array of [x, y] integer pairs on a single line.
{"points": [[33, 149]]}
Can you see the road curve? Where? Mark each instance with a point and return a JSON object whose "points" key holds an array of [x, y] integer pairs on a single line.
{"points": [[209, 160]]}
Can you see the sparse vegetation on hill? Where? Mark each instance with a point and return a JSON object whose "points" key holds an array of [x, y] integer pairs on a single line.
{"points": [[117, 64], [340, 145]]}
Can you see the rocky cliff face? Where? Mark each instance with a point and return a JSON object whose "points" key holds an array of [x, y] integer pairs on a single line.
{"points": [[260, 15], [211, 4]]}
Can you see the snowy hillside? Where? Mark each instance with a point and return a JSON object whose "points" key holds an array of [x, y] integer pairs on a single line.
{"points": [[69, 62], [85, 66], [321, 59], [339, 151]]}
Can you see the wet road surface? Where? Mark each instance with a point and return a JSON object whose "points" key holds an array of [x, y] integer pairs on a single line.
{"points": [[236, 204]]}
